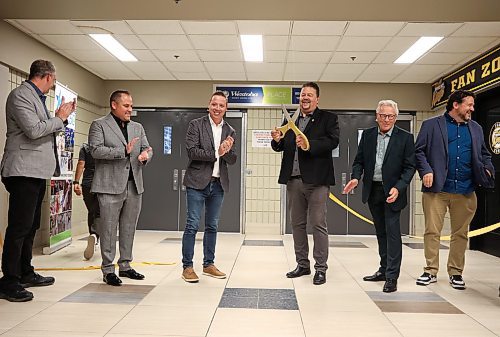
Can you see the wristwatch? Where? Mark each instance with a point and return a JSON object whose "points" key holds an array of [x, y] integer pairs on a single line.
{"points": [[76, 182]]}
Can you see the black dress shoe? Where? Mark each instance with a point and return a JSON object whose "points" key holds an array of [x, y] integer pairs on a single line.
{"points": [[15, 294], [36, 280], [378, 276], [299, 271], [391, 285], [131, 273], [112, 279], [319, 277]]}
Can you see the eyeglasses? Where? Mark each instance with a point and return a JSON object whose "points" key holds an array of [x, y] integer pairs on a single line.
{"points": [[389, 117]]}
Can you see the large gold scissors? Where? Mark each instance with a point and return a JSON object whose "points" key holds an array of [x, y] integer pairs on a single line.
{"points": [[290, 125]]}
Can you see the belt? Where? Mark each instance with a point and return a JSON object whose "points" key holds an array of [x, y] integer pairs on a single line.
{"points": [[295, 177], [215, 179], [377, 183]]}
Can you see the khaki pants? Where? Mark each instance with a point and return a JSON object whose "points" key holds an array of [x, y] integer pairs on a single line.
{"points": [[462, 208]]}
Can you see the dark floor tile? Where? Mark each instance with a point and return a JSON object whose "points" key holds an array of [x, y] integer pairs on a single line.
{"points": [[262, 243], [401, 296], [278, 303], [420, 245], [239, 302], [103, 293], [241, 292], [344, 244], [279, 299], [285, 294], [418, 307]]}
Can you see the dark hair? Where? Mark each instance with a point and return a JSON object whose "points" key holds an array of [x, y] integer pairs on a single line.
{"points": [[116, 95], [312, 85], [219, 93], [41, 68], [458, 96]]}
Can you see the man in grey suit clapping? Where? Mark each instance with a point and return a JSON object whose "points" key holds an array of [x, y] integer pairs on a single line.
{"points": [[120, 149], [29, 158], [209, 143]]}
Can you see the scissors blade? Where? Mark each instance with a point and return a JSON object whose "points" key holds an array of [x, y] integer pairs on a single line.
{"points": [[296, 115], [286, 114]]}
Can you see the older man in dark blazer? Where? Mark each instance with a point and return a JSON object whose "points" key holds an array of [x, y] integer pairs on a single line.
{"points": [[386, 160], [29, 159], [308, 175], [209, 144], [452, 160]]}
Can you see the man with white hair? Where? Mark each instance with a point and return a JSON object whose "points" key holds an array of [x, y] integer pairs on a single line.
{"points": [[386, 160]]}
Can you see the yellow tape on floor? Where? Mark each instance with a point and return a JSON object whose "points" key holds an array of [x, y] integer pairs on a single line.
{"points": [[473, 233], [99, 267]]}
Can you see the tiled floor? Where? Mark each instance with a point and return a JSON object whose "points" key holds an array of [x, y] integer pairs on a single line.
{"points": [[256, 299]]}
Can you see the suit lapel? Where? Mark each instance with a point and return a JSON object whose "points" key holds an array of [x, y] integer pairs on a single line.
{"points": [[208, 128], [313, 120], [116, 129], [41, 112], [392, 140], [444, 131], [371, 140]]}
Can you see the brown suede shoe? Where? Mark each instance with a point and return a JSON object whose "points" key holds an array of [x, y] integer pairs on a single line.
{"points": [[189, 275], [211, 270]]}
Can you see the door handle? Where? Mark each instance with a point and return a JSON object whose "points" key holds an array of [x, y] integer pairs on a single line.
{"points": [[352, 191], [183, 188], [344, 181], [176, 180]]}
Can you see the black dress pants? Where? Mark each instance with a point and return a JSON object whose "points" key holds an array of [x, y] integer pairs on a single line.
{"points": [[25, 201], [388, 232], [92, 204]]}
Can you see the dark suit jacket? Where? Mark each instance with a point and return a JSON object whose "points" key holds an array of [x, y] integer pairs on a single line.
{"points": [[398, 166], [201, 152], [316, 165], [431, 149]]}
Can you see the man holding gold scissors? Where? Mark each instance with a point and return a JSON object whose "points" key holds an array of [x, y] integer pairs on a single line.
{"points": [[307, 171]]}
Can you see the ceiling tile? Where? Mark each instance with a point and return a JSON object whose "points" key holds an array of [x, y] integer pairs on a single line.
{"points": [[479, 29], [130, 41], [400, 44], [254, 27], [156, 27], [275, 42], [366, 28], [223, 76], [275, 55], [418, 73], [166, 42], [309, 56], [225, 67], [381, 72], [429, 29], [201, 76], [360, 57], [75, 42], [150, 70], [314, 43], [318, 27], [444, 58], [387, 57], [209, 27], [143, 55], [303, 71], [112, 70], [356, 43], [102, 27], [84, 55], [262, 67], [49, 26], [267, 76], [220, 55], [170, 55], [185, 67], [462, 44], [215, 42], [342, 72], [301, 77]]}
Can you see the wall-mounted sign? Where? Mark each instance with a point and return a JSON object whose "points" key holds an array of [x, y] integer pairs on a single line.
{"points": [[260, 95], [478, 74], [495, 138], [261, 138]]}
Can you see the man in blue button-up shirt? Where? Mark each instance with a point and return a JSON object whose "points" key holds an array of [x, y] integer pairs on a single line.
{"points": [[452, 160]]}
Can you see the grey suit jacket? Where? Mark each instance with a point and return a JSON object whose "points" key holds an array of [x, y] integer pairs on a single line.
{"points": [[112, 165], [201, 152], [29, 147]]}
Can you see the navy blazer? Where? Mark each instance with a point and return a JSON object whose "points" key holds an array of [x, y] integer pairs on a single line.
{"points": [[431, 149], [316, 165], [398, 167]]}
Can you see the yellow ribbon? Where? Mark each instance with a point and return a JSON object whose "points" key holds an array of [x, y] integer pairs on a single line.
{"points": [[471, 234], [99, 267]]}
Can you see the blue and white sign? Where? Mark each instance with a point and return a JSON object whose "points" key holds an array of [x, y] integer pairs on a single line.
{"points": [[260, 95]]}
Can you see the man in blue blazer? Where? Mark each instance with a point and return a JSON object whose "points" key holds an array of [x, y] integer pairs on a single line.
{"points": [[386, 160], [452, 160]]}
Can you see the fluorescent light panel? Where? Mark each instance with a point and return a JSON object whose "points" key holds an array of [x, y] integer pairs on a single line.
{"points": [[252, 48], [418, 49], [108, 42]]}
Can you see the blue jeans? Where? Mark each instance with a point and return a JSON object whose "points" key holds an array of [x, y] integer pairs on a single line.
{"points": [[211, 197]]}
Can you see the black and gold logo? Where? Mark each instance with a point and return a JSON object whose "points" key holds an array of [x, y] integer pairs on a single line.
{"points": [[495, 138]]}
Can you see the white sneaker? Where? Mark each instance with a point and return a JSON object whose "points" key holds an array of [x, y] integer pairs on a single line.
{"points": [[89, 251], [426, 279]]}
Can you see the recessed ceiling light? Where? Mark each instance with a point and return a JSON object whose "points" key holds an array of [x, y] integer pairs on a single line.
{"points": [[108, 42], [252, 48], [418, 49]]}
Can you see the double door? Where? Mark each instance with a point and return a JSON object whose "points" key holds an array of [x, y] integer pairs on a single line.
{"points": [[164, 199], [342, 221]]}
